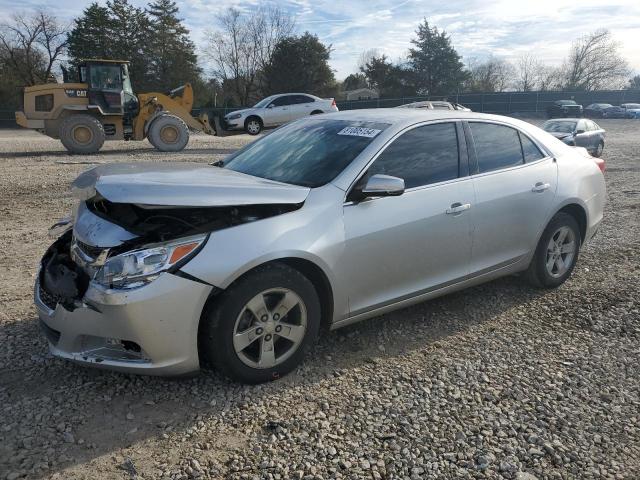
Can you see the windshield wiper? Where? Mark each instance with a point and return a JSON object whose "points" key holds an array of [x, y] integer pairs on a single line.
{"points": [[217, 163]]}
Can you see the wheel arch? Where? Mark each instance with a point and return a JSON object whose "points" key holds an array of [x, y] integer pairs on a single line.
{"points": [[316, 112], [579, 213], [256, 116], [316, 275]]}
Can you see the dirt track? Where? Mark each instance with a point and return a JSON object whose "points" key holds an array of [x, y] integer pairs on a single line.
{"points": [[498, 381]]}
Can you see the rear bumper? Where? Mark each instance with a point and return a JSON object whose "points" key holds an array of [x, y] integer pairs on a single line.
{"points": [[149, 330]]}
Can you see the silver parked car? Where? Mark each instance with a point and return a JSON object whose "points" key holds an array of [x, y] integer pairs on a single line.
{"points": [[435, 105], [326, 221], [577, 132], [277, 110]]}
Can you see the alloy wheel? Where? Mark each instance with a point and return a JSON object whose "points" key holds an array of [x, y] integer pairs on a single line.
{"points": [[253, 126], [270, 328], [561, 252]]}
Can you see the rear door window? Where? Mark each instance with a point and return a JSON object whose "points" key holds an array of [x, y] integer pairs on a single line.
{"points": [[421, 156], [497, 146], [302, 99]]}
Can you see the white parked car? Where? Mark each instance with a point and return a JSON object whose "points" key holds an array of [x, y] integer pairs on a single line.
{"points": [[277, 110]]}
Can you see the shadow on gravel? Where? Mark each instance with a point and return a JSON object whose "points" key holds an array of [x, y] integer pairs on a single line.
{"points": [[107, 153], [110, 411]]}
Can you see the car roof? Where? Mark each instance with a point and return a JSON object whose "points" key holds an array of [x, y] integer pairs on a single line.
{"points": [[408, 116], [292, 93], [568, 119]]}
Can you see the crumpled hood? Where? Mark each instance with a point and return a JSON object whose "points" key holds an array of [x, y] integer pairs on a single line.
{"points": [[183, 184], [560, 135]]}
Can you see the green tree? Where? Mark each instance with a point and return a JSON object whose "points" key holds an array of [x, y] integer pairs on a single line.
{"points": [[435, 62], [89, 37], [355, 81], [131, 39], [173, 60], [390, 80], [300, 64], [118, 31]]}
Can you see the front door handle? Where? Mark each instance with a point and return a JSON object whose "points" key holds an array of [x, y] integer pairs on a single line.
{"points": [[540, 187], [458, 208]]}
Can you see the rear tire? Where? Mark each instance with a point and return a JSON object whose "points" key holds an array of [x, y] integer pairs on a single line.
{"points": [[556, 254], [82, 133], [251, 344], [168, 133]]}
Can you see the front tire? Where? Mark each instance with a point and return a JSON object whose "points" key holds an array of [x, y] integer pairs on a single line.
{"points": [[259, 329], [556, 254], [253, 125], [82, 134], [168, 133]]}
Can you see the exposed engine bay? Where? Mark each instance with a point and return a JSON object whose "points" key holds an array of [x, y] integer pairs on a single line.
{"points": [[158, 223], [71, 263]]}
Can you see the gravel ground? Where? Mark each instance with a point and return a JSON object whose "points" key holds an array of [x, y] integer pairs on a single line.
{"points": [[499, 381]]}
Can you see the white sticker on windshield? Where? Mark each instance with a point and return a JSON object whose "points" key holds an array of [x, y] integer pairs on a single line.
{"points": [[359, 132]]}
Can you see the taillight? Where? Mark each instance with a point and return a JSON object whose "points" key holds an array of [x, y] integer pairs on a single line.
{"points": [[601, 164], [333, 102]]}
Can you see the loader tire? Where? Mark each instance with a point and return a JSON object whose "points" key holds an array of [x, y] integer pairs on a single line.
{"points": [[82, 134], [168, 133]]}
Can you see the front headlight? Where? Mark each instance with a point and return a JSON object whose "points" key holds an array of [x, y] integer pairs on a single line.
{"points": [[139, 267], [234, 116]]}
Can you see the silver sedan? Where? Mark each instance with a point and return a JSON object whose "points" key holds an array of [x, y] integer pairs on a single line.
{"points": [[326, 221]]}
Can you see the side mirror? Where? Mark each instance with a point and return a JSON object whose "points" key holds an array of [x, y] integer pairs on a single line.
{"points": [[271, 105], [578, 132], [382, 186]]}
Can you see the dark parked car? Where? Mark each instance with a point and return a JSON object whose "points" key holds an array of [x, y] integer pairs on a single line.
{"points": [[615, 112], [596, 110], [578, 132], [564, 108]]}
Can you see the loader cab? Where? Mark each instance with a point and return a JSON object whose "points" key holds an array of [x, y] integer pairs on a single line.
{"points": [[109, 86]]}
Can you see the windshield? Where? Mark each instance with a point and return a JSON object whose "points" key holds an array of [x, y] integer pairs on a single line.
{"points": [[263, 103], [309, 153], [560, 127]]}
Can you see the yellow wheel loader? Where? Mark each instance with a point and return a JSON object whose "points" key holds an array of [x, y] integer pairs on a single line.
{"points": [[102, 106]]}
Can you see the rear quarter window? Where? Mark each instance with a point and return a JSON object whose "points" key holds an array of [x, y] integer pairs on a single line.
{"points": [[530, 150]]}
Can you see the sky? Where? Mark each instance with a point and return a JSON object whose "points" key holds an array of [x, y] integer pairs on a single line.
{"points": [[478, 28]]}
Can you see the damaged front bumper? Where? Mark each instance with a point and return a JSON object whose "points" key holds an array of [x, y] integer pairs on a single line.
{"points": [[152, 329]]}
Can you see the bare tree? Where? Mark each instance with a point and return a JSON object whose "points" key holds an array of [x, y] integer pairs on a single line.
{"points": [[551, 78], [492, 75], [365, 58], [528, 70], [32, 46], [242, 47], [594, 63]]}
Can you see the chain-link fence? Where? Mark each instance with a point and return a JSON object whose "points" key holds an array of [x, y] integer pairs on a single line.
{"points": [[505, 102]]}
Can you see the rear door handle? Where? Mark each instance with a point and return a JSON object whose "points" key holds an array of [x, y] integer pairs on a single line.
{"points": [[458, 208], [540, 187]]}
